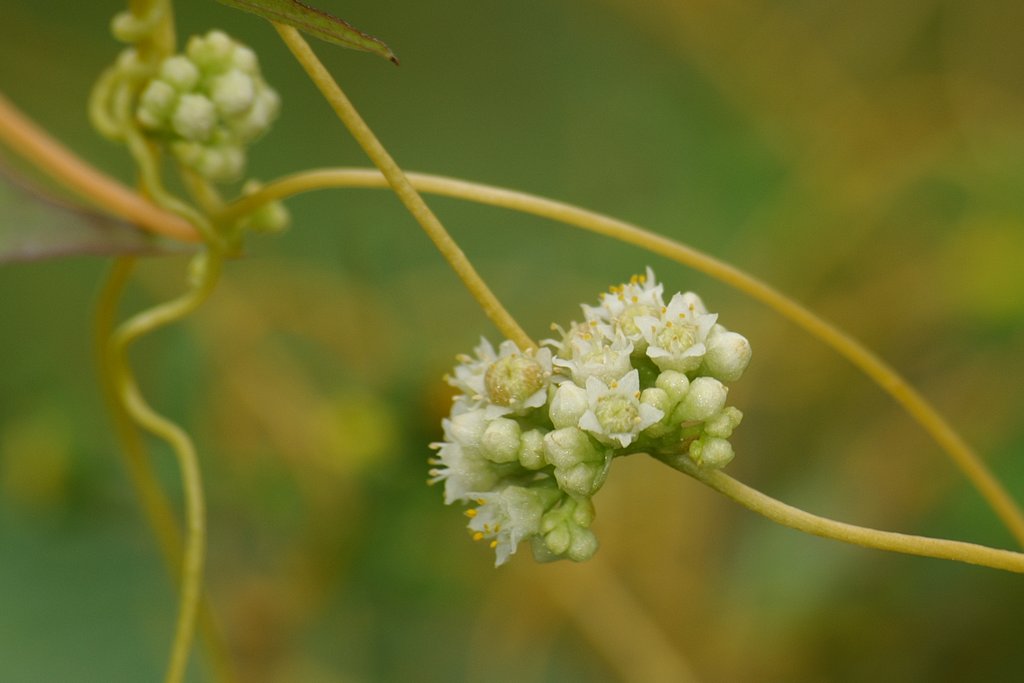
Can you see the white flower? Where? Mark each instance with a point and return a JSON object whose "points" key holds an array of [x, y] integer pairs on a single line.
{"points": [[615, 413], [595, 355], [511, 381], [460, 462], [624, 304], [508, 516], [469, 377], [676, 338]]}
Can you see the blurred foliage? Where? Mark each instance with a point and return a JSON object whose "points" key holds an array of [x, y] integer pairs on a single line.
{"points": [[866, 157]]}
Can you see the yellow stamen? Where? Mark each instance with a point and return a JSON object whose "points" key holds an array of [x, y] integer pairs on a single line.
{"points": [[478, 536], [471, 513]]}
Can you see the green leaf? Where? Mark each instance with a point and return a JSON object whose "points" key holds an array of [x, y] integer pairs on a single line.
{"points": [[316, 23], [35, 225]]}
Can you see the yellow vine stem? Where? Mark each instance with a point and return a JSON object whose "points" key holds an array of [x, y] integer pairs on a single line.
{"points": [[934, 424], [135, 405], [402, 187], [787, 515], [155, 505]]}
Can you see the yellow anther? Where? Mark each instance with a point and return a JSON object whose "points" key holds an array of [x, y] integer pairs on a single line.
{"points": [[494, 544], [481, 501], [636, 299], [471, 513], [478, 536]]}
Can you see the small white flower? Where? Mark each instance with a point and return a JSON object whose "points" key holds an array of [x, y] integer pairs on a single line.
{"points": [[624, 304], [469, 376], [595, 355], [511, 381], [615, 413], [675, 339], [508, 515], [460, 462]]}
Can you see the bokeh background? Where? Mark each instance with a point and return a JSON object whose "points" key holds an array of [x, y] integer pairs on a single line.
{"points": [[867, 158]]}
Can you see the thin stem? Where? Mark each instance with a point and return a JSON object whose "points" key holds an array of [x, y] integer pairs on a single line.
{"points": [[800, 520], [402, 187], [882, 374], [140, 411], [89, 183], [155, 505]]}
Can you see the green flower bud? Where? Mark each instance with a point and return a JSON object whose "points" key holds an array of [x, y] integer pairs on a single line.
{"points": [[194, 117], [156, 104], [501, 440], [705, 398], [233, 93], [211, 53], [711, 453], [728, 354], [180, 73], [584, 545], [256, 121], [723, 424], [531, 450], [567, 447], [568, 405], [245, 60], [221, 164], [673, 383]]}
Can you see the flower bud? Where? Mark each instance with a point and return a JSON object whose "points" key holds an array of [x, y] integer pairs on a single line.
{"points": [[728, 354], [705, 398], [675, 384], [500, 440], [233, 93], [156, 104], [711, 453], [245, 60], [180, 73], [566, 447], [257, 119], [568, 405], [722, 424], [221, 164], [584, 545], [194, 117], [212, 52], [531, 450]]}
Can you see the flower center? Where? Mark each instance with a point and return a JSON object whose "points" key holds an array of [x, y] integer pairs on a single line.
{"points": [[677, 337], [617, 414], [513, 379], [627, 320]]}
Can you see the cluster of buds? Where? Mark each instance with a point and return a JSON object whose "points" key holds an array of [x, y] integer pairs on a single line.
{"points": [[208, 105], [533, 432]]}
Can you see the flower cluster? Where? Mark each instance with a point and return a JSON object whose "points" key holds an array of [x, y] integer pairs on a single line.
{"points": [[209, 104], [532, 432]]}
